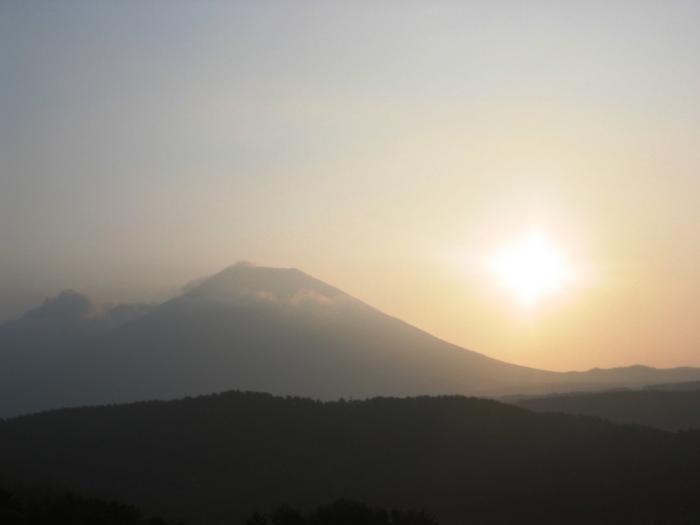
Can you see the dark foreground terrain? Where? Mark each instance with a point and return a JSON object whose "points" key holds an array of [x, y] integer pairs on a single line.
{"points": [[41, 505], [220, 458], [48, 506]]}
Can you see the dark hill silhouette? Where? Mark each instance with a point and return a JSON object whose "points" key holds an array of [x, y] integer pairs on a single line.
{"points": [[219, 458], [254, 328], [667, 409]]}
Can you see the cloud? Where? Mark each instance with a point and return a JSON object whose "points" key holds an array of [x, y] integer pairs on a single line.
{"points": [[305, 296], [66, 306], [301, 297]]}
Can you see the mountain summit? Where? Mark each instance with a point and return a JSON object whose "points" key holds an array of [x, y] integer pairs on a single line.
{"points": [[245, 280], [248, 327]]}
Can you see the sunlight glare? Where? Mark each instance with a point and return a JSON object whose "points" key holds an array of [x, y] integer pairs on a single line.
{"points": [[531, 268]]}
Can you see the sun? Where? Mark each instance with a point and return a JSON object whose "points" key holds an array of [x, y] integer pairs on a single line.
{"points": [[531, 268]]}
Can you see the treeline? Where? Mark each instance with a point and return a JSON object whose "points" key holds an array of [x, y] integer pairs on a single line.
{"points": [[214, 460], [45, 506], [342, 512]]}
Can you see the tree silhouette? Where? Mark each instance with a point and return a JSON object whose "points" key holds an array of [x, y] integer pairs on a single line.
{"points": [[342, 512]]}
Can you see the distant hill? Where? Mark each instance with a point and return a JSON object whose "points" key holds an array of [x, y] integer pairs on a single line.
{"points": [[219, 458], [254, 328], [656, 407], [687, 386]]}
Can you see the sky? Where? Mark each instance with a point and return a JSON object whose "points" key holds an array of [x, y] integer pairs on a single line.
{"points": [[385, 147]]}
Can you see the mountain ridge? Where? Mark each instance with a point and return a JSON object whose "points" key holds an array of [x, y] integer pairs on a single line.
{"points": [[217, 458], [668, 409], [249, 327]]}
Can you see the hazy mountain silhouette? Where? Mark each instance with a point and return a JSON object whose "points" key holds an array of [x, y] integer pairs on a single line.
{"points": [[219, 458], [667, 409], [254, 328], [40, 351], [687, 386]]}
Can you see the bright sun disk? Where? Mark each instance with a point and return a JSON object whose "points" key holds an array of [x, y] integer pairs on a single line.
{"points": [[530, 268]]}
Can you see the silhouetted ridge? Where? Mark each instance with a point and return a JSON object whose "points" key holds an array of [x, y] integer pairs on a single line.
{"points": [[274, 330], [217, 459], [688, 386], [670, 409]]}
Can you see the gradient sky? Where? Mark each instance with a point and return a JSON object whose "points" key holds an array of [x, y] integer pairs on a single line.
{"points": [[381, 146]]}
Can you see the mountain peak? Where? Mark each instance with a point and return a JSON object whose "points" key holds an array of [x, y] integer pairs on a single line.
{"points": [[247, 280]]}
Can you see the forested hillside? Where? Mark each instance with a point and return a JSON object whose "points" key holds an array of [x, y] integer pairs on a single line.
{"points": [[217, 459]]}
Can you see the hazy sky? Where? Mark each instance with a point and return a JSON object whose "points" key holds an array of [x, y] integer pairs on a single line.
{"points": [[382, 146]]}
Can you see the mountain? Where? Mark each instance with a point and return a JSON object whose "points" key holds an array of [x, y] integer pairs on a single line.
{"points": [[217, 459], [255, 328], [655, 407], [40, 352]]}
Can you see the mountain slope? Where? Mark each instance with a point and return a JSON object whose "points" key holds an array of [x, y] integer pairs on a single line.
{"points": [[39, 352], [217, 459], [265, 329]]}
